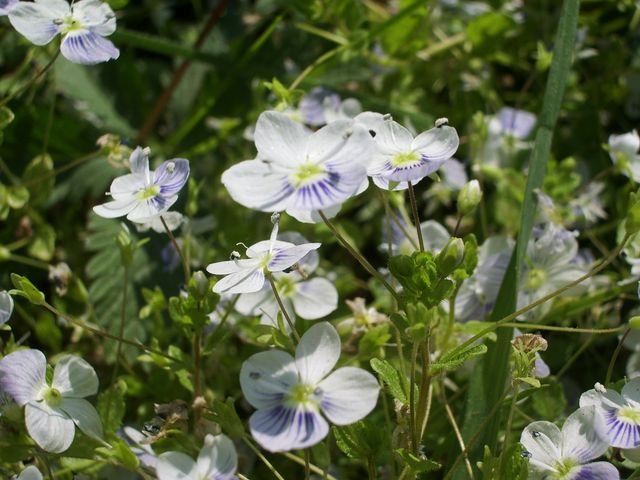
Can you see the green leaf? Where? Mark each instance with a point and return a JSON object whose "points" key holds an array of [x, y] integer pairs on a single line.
{"points": [[39, 179], [416, 464], [43, 243], [26, 289], [184, 377], [6, 117], [452, 362], [391, 378], [374, 340], [549, 402], [17, 196], [360, 440], [120, 452], [111, 406], [225, 415]]}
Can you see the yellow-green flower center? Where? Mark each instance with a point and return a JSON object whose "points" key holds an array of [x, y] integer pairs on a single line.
{"points": [[149, 192], [535, 279], [564, 467], [52, 397], [630, 414], [404, 159], [307, 173], [301, 394], [69, 24]]}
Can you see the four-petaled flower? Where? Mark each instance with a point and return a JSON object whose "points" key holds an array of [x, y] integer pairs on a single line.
{"points": [[84, 24], [217, 460], [143, 194], [290, 393], [563, 455], [52, 412]]}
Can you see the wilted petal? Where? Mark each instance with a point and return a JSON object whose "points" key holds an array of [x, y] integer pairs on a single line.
{"points": [[543, 440], [6, 307], [175, 466], [218, 459], [317, 353], [84, 415], [349, 394], [171, 176], [74, 377], [36, 20], [284, 258], [22, 375], [315, 298], [282, 428], [266, 377], [95, 15], [49, 427], [87, 48], [279, 139], [584, 435]]}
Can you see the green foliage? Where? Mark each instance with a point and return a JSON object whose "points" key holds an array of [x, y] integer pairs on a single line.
{"points": [[415, 463], [361, 440], [111, 406], [392, 379], [24, 288]]}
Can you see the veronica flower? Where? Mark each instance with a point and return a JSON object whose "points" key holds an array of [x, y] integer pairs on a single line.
{"points": [[563, 455], [621, 412], [30, 473], [507, 131], [290, 393], [6, 6], [400, 157], [623, 150], [140, 447], [83, 26], [298, 170], [143, 194], [404, 239], [363, 318], [52, 411], [321, 106], [217, 460], [6, 307], [173, 220]]}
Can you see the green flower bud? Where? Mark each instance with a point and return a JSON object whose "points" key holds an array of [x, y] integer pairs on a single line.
{"points": [[469, 197], [450, 257], [634, 323]]}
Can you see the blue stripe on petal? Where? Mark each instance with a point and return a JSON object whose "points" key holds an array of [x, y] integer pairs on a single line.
{"points": [[171, 176], [285, 427], [622, 432], [323, 193], [87, 48]]}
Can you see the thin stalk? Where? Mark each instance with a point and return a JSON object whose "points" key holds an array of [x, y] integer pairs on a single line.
{"points": [[123, 310], [458, 434], [314, 468], [319, 61], [412, 399], [45, 461], [13, 95], [14, 257], [507, 432], [416, 215], [174, 242], [425, 384], [540, 326], [574, 357], [371, 468], [292, 326], [262, 458], [73, 163], [355, 254], [307, 470], [423, 427], [615, 356]]}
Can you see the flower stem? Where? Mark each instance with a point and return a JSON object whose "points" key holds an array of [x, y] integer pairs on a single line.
{"points": [[282, 308], [29, 261], [314, 468], [174, 242], [371, 468], [11, 96], [264, 460], [458, 434], [412, 398], [416, 216], [307, 470], [614, 357], [355, 254]]}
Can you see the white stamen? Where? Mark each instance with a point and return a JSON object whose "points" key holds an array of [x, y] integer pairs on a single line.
{"points": [[171, 166], [599, 388], [442, 121]]}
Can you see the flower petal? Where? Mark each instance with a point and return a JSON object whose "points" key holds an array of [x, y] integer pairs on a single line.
{"points": [[5, 8], [146, 209], [312, 216], [315, 298], [249, 303], [627, 143], [543, 441], [266, 377], [74, 377], [85, 416], [95, 15], [218, 459], [87, 48], [279, 139], [35, 21], [231, 266], [584, 435], [393, 138], [284, 258], [171, 176], [6, 307], [49, 427], [125, 186], [517, 123], [244, 281], [349, 394], [341, 141], [594, 471], [258, 185], [631, 390], [317, 353], [438, 144], [282, 428], [175, 466], [30, 473], [22, 375], [116, 208], [139, 163]]}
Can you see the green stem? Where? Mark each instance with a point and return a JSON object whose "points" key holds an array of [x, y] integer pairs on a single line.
{"points": [[13, 95], [614, 357], [73, 163], [541, 326], [319, 61], [371, 468], [412, 399], [32, 262], [292, 325], [262, 458], [307, 470], [416, 216], [458, 434], [314, 468], [185, 264]]}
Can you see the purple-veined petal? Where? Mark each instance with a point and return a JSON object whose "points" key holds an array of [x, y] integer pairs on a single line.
{"points": [[317, 353], [49, 427], [437, 145], [126, 186], [30, 473], [171, 176], [284, 258], [116, 208], [517, 123], [393, 138], [84, 415], [594, 471], [175, 466], [232, 266], [218, 459], [622, 431], [22, 375], [543, 440], [310, 261], [146, 209], [6, 6], [258, 185], [312, 105], [6, 307], [139, 163], [95, 15], [244, 281], [35, 21], [257, 250], [73, 377], [315, 298], [327, 190], [283, 428], [87, 48], [349, 394], [584, 435], [267, 377], [279, 139]]}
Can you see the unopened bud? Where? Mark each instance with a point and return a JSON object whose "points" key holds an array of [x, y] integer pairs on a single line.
{"points": [[634, 323], [450, 257], [469, 197], [200, 282]]}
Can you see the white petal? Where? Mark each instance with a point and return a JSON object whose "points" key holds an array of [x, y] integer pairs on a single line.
{"points": [[383, 183], [279, 139], [281, 428], [373, 122], [584, 435], [393, 138], [435, 236], [349, 394], [175, 466], [309, 262], [22, 375], [627, 143], [95, 15], [36, 21], [631, 391], [30, 473], [340, 141], [218, 459], [317, 353], [257, 250], [257, 185], [84, 415], [87, 48], [150, 208], [231, 266], [50, 428], [286, 257], [139, 163], [594, 471], [245, 281], [315, 298], [266, 377], [74, 377], [543, 441], [250, 303], [312, 216], [116, 208], [6, 307]]}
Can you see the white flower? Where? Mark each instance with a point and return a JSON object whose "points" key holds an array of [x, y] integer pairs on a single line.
{"points": [[83, 25], [563, 455], [52, 411], [140, 447], [217, 460], [435, 236], [296, 170], [6, 307], [507, 131], [174, 220], [623, 150], [144, 194], [290, 393], [30, 473], [6, 6], [363, 317], [321, 106], [621, 413], [401, 158]]}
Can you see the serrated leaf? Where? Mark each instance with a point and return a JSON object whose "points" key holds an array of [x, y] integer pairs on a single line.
{"points": [[416, 464], [452, 362], [225, 415], [391, 378], [111, 406]]}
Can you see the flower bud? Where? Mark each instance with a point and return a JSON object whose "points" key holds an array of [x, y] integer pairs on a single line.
{"points": [[634, 323], [450, 257], [469, 197]]}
